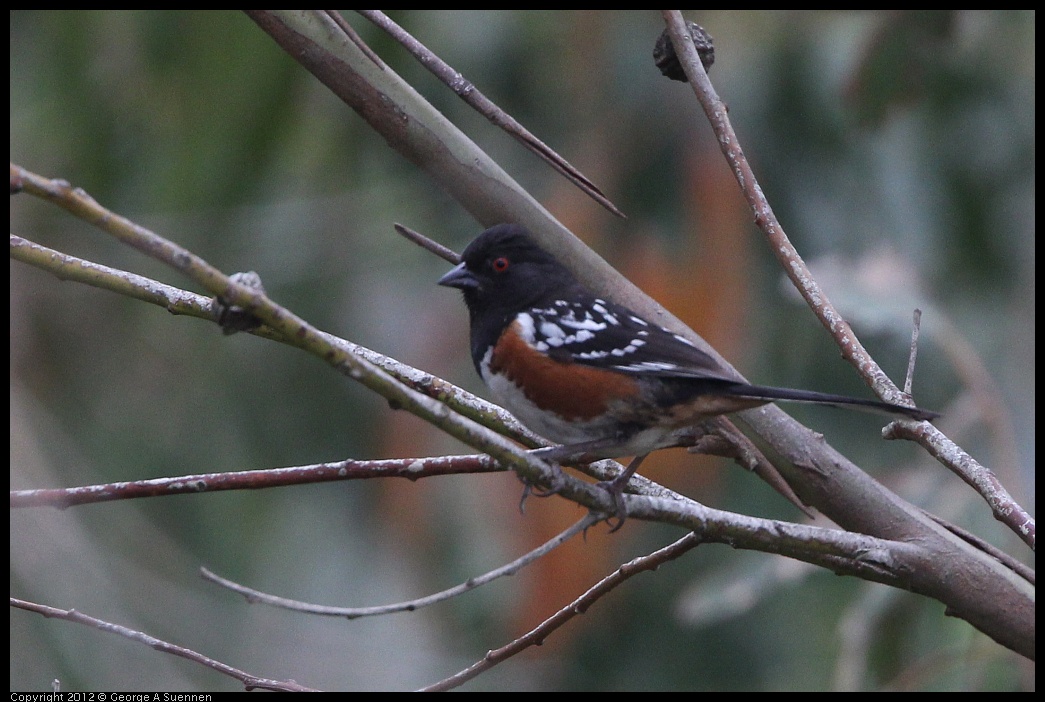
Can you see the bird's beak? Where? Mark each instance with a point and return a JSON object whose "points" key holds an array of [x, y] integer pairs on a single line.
{"points": [[460, 277]]}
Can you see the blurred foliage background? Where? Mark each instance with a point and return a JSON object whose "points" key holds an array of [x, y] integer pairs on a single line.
{"points": [[897, 149]]}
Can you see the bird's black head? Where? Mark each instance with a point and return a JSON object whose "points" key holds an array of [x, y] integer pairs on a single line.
{"points": [[505, 270]]}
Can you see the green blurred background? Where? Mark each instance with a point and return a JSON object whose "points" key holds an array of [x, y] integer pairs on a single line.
{"points": [[897, 149]]}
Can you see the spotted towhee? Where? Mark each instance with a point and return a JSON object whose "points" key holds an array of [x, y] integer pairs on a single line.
{"points": [[586, 372]]}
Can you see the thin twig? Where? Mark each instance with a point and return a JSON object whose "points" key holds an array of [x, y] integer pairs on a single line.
{"points": [[790, 260], [138, 287], [424, 242], [511, 568], [409, 468], [250, 682], [1003, 505], [536, 636], [915, 330], [486, 107], [354, 37]]}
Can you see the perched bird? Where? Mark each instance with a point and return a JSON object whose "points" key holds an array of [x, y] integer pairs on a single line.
{"points": [[588, 373]]}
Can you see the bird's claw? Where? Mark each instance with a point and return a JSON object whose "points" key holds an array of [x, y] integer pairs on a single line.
{"points": [[615, 489], [558, 481]]}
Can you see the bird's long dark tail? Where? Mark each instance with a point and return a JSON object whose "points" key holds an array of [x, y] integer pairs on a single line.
{"points": [[822, 398]]}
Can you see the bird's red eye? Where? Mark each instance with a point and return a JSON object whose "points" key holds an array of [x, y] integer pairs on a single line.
{"points": [[500, 264]]}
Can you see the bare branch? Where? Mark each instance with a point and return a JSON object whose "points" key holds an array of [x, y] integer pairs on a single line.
{"points": [[511, 568], [1003, 505], [790, 260], [916, 328], [409, 468], [424, 242], [250, 682], [536, 636], [486, 107]]}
